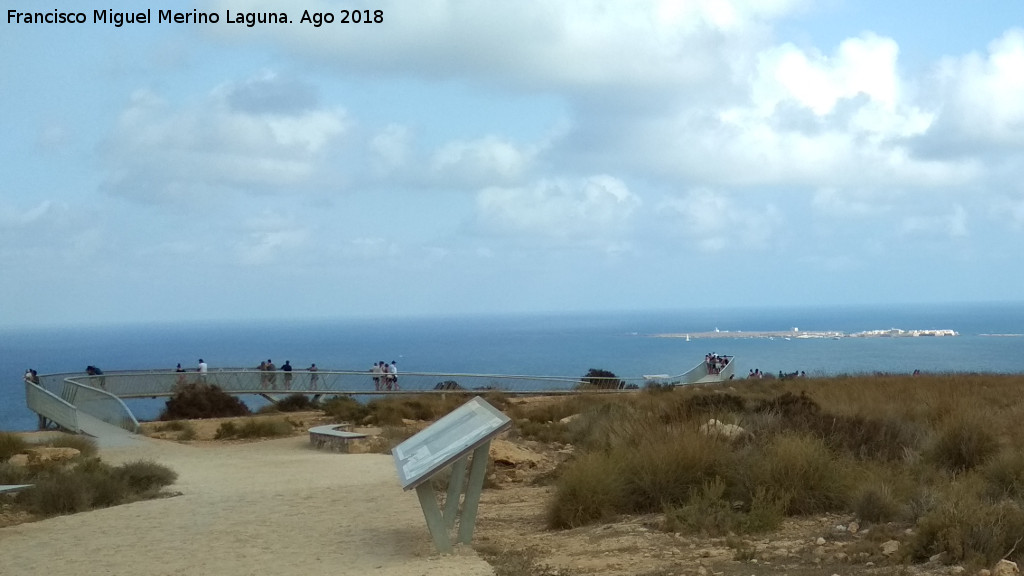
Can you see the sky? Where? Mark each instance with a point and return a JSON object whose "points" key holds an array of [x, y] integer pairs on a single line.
{"points": [[504, 157]]}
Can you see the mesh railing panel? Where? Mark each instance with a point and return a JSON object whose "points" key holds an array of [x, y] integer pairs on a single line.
{"points": [[51, 406]]}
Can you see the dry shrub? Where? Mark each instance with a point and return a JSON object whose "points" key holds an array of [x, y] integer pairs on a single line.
{"points": [[708, 511], [668, 466], [11, 444], [590, 489], [294, 403], [11, 474], [345, 409], [548, 432], [967, 528], [798, 467], [254, 428], [876, 502], [963, 443], [145, 476], [58, 493], [85, 445], [714, 405], [1004, 475]]}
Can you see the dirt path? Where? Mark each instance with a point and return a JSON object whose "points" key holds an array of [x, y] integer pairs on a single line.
{"points": [[273, 507]]}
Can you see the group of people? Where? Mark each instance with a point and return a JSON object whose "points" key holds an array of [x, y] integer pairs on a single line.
{"points": [[385, 376], [268, 378], [32, 376], [716, 363]]}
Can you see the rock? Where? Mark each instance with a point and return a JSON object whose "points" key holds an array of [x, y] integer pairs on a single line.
{"points": [[891, 547], [841, 557], [984, 572], [505, 453], [1005, 568], [716, 428], [569, 419], [19, 460], [957, 570], [45, 454], [820, 541], [853, 528]]}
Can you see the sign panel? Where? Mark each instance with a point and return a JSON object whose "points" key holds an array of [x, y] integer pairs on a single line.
{"points": [[445, 441]]}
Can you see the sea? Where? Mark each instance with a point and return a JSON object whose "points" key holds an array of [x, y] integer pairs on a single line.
{"points": [[990, 340]]}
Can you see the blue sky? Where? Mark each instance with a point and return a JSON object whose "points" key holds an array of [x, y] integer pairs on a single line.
{"points": [[502, 157]]}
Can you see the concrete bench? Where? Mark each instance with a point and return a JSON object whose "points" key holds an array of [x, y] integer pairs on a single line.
{"points": [[333, 437], [12, 488]]}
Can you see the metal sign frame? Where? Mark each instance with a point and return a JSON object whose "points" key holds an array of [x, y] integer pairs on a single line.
{"points": [[460, 439]]}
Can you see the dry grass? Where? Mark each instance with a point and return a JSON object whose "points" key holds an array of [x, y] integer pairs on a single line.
{"points": [[937, 453]]}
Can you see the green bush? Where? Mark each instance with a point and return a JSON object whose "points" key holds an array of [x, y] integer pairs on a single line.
{"points": [[11, 444], [199, 400], [598, 379]]}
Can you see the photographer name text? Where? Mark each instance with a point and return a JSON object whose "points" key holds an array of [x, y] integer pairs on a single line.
{"points": [[249, 19]]}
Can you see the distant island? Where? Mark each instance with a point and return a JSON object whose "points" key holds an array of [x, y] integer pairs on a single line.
{"points": [[807, 335]]}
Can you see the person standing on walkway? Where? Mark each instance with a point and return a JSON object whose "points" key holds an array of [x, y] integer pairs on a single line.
{"points": [[202, 369], [287, 369], [314, 378], [392, 370]]}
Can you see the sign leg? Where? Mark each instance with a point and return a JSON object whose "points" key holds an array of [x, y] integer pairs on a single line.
{"points": [[435, 523], [473, 489]]}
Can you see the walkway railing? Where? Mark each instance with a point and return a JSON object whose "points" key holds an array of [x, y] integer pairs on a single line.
{"points": [[251, 381], [58, 397]]}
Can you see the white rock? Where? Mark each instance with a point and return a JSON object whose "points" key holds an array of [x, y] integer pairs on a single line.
{"points": [[820, 541], [891, 547], [1005, 568]]}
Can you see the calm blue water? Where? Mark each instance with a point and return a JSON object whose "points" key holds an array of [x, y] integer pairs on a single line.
{"points": [[557, 345]]}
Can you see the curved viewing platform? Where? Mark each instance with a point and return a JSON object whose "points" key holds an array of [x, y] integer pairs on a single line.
{"points": [[68, 400]]}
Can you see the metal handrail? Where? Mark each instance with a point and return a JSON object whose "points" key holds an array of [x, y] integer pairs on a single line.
{"points": [[101, 395]]}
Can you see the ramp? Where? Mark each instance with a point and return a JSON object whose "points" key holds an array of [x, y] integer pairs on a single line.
{"points": [[106, 435]]}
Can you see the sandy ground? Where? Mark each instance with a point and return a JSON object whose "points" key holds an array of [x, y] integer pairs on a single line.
{"points": [[274, 507]]}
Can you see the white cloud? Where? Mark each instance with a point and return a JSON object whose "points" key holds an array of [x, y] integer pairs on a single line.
{"points": [[159, 151], [391, 148], [716, 222], [269, 238], [486, 160], [985, 94], [845, 203], [594, 210], [952, 225]]}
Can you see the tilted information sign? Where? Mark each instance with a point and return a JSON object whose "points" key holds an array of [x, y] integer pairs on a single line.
{"points": [[460, 439], [453, 436]]}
